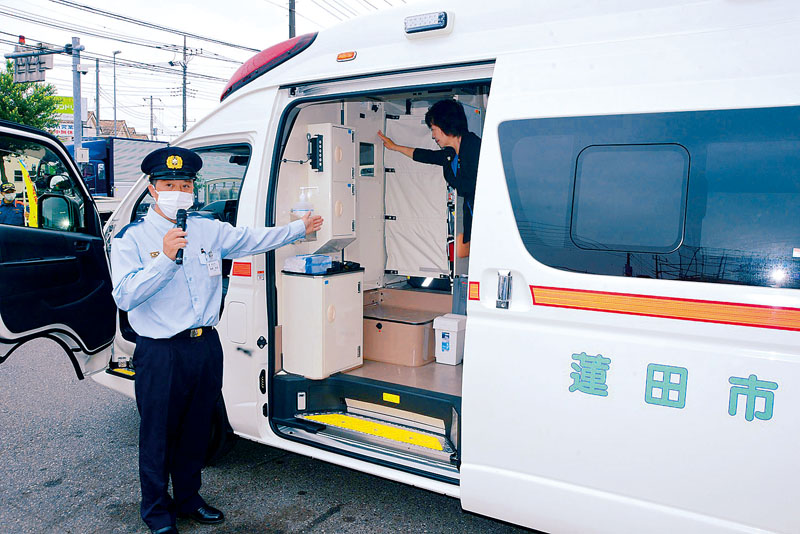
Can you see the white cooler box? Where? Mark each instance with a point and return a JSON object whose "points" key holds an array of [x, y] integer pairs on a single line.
{"points": [[450, 330]]}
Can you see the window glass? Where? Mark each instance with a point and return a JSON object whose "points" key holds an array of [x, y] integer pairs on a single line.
{"points": [[216, 189], [630, 197], [38, 190], [714, 197]]}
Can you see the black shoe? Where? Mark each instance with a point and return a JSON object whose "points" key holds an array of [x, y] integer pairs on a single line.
{"points": [[207, 515], [166, 530]]}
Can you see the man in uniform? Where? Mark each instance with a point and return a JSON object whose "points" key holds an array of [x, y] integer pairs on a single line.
{"points": [[11, 212], [173, 308]]}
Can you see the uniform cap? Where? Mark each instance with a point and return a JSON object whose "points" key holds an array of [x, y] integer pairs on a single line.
{"points": [[172, 163], [8, 188]]}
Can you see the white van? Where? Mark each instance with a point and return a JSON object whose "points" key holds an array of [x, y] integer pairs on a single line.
{"points": [[632, 356]]}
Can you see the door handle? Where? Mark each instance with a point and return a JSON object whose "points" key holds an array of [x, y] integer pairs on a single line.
{"points": [[81, 246], [503, 289]]}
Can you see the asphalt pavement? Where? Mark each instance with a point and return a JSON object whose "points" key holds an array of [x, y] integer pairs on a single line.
{"points": [[68, 464]]}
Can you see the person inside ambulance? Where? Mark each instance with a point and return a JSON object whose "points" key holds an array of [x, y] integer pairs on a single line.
{"points": [[458, 157], [11, 211], [166, 273]]}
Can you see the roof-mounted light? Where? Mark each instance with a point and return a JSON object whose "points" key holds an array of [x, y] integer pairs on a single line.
{"points": [[429, 23], [265, 61]]}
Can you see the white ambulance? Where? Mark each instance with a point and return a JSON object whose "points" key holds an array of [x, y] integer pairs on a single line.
{"points": [[631, 356]]}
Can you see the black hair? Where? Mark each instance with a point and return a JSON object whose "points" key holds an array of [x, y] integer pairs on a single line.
{"points": [[449, 116]]}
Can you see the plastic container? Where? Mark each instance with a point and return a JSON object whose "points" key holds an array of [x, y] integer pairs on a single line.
{"points": [[301, 208], [450, 329], [308, 264]]}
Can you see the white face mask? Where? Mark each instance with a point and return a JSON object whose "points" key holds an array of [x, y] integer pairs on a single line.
{"points": [[9, 196], [171, 201]]}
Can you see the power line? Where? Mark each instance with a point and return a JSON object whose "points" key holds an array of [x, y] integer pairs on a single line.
{"points": [[146, 24], [107, 60], [369, 4], [345, 7], [111, 36], [295, 12], [330, 4], [337, 17]]}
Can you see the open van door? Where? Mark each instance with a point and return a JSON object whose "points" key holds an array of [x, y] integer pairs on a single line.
{"points": [[54, 272]]}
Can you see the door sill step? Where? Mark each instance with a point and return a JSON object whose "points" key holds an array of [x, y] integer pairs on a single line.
{"points": [[123, 373], [389, 435]]}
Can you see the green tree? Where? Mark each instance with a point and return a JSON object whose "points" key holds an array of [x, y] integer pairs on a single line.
{"points": [[33, 104]]}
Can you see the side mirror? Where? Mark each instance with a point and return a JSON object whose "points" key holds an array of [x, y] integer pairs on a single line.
{"points": [[57, 212]]}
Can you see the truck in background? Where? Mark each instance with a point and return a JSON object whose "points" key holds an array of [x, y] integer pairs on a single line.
{"points": [[113, 168]]}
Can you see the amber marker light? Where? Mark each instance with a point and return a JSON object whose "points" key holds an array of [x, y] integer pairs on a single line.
{"points": [[345, 56]]}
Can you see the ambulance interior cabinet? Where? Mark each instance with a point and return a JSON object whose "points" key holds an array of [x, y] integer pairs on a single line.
{"points": [[331, 182], [322, 323]]}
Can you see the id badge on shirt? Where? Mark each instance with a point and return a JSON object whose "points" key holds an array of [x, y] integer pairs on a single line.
{"points": [[212, 263]]}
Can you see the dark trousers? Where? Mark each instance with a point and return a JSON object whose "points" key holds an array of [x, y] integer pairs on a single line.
{"points": [[178, 382]]}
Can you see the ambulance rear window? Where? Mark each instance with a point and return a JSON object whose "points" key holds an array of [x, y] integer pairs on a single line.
{"points": [[710, 196]]}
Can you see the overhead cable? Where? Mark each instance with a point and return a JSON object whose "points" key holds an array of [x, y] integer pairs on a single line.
{"points": [[112, 36], [146, 24]]}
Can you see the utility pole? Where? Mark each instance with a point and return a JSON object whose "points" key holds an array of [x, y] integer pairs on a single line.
{"points": [[291, 18], [114, 53], [77, 124], [184, 83], [97, 97], [151, 116], [152, 130]]}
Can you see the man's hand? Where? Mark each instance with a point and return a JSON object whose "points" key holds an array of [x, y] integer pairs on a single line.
{"points": [[313, 223], [173, 240]]}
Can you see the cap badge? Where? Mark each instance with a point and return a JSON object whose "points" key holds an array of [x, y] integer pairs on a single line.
{"points": [[155, 254], [174, 162]]}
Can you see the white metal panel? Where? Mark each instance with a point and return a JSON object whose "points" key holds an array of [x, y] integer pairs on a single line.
{"points": [[127, 161], [416, 196]]}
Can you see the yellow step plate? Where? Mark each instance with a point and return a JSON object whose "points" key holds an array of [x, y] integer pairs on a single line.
{"points": [[123, 372], [374, 428]]}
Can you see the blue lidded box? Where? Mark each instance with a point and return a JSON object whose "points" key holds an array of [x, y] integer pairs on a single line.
{"points": [[308, 263]]}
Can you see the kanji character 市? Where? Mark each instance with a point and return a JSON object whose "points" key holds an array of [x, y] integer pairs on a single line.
{"points": [[590, 374], [753, 389]]}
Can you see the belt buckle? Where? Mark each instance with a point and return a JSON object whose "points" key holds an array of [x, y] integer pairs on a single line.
{"points": [[195, 332]]}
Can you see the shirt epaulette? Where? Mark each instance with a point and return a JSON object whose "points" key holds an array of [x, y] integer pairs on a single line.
{"points": [[125, 228]]}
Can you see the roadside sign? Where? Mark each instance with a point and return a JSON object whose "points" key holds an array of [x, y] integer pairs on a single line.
{"points": [[66, 108]]}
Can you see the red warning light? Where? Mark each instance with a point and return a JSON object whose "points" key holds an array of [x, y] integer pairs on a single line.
{"points": [[21, 39]]}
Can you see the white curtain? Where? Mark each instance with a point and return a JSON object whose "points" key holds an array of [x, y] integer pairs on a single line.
{"points": [[416, 194]]}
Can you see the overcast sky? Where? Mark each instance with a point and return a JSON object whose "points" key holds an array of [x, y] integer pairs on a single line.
{"points": [[256, 24]]}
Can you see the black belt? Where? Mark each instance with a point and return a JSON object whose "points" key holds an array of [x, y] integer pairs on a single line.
{"points": [[194, 332]]}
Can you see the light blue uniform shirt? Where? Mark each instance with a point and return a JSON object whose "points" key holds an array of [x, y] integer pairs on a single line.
{"points": [[163, 298]]}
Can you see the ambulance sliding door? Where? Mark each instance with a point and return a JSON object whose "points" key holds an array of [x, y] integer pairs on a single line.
{"points": [[416, 204], [636, 373]]}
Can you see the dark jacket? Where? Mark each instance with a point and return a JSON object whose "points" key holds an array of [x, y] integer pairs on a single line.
{"points": [[464, 180], [13, 213]]}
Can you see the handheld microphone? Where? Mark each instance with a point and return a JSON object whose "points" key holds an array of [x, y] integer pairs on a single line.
{"points": [[180, 219]]}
